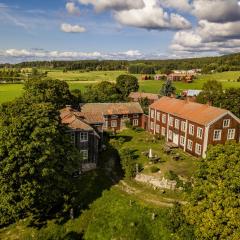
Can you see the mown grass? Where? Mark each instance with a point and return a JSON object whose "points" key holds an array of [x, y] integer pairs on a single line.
{"points": [[79, 80], [143, 141]]}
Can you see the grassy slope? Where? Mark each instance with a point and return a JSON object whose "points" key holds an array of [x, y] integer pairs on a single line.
{"points": [[113, 216], [80, 80]]}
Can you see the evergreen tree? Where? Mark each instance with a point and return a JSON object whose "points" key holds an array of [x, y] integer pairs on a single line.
{"points": [[167, 89]]}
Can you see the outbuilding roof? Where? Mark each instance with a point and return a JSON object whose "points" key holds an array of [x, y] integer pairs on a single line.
{"points": [[199, 113], [111, 108], [140, 95]]}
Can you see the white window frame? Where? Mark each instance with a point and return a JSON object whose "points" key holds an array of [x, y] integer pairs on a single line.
{"points": [[217, 137], [198, 149], [135, 115], [83, 136], [226, 121], [177, 123], [152, 113], [171, 121], [84, 154], [163, 131], [114, 123], [183, 126], [231, 134], [189, 144], [157, 128], [182, 140], [200, 132], [164, 118], [152, 125], [170, 134], [125, 116], [135, 122], [158, 116], [191, 129]]}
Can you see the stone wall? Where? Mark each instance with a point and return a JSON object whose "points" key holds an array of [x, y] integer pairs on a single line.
{"points": [[156, 182]]}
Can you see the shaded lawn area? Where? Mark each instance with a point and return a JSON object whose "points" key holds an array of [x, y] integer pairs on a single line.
{"points": [[115, 215], [142, 142]]}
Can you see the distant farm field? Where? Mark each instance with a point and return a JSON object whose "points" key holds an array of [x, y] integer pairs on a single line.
{"points": [[78, 80]]}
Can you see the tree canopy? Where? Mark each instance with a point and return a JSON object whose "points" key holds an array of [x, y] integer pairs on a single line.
{"points": [[228, 99], [53, 91], [36, 160], [102, 92], [215, 205], [126, 84], [211, 91]]}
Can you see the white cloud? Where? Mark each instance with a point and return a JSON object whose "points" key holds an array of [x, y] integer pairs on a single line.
{"points": [[208, 36], [72, 8], [152, 16], [68, 28], [217, 10], [18, 55], [101, 5]]}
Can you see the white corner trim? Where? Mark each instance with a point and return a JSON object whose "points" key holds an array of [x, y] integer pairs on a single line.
{"points": [[205, 141]]}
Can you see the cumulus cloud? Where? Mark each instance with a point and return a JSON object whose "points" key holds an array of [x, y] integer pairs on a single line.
{"points": [[152, 16], [217, 10], [101, 5], [72, 8], [68, 28], [18, 55], [209, 36]]}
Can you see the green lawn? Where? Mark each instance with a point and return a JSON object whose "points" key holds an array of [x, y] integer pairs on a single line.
{"points": [[79, 80], [143, 141], [85, 76], [9, 92]]}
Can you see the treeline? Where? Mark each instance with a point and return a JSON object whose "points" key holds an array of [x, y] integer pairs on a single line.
{"points": [[207, 64], [10, 75]]}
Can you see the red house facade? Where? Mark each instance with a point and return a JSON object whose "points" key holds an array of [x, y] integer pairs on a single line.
{"points": [[192, 126]]}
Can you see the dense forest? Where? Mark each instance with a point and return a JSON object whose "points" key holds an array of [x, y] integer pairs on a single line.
{"points": [[207, 64]]}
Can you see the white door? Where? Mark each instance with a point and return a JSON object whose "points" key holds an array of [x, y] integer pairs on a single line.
{"points": [[175, 138]]}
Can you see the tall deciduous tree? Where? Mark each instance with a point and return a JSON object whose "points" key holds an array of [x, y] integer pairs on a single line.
{"points": [[230, 100], [126, 84], [211, 92], [215, 205], [36, 161], [54, 91], [102, 92]]}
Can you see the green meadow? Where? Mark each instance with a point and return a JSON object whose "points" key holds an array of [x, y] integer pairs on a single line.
{"points": [[79, 80]]}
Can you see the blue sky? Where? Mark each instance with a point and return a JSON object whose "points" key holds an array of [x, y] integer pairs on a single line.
{"points": [[117, 29]]}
